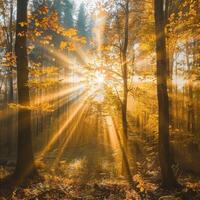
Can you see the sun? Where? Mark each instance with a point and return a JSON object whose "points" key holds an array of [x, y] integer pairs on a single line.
{"points": [[99, 78]]}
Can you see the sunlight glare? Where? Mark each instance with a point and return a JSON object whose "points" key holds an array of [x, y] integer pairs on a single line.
{"points": [[99, 77]]}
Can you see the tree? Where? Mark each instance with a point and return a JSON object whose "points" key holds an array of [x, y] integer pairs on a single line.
{"points": [[90, 29], [168, 179], [67, 15], [57, 6], [10, 50], [25, 160], [125, 71], [8, 20], [120, 39], [81, 21], [7, 23], [121, 35]]}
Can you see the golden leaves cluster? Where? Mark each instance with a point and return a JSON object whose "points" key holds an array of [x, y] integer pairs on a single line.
{"points": [[42, 107], [9, 60]]}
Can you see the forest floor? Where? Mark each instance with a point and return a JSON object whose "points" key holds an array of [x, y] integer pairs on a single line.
{"points": [[89, 168], [52, 186]]}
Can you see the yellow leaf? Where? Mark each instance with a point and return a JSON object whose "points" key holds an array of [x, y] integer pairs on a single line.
{"points": [[63, 45], [37, 23], [72, 47], [70, 32]]}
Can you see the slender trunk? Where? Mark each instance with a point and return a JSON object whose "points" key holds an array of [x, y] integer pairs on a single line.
{"points": [[125, 91], [9, 120], [9, 90], [10, 50], [125, 74], [168, 179], [191, 114], [25, 162], [191, 119]]}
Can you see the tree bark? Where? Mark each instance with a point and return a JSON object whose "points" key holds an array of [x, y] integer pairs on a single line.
{"points": [[10, 50], [125, 92], [125, 74], [25, 166], [168, 179]]}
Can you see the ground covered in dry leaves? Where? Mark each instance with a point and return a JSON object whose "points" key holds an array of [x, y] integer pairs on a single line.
{"points": [[54, 185]]}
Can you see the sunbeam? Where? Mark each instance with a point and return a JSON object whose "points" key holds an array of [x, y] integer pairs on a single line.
{"points": [[56, 135], [70, 134]]}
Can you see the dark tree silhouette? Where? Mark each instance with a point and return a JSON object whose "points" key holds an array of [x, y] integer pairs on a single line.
{"points": [[25, 161], [67, 16], [168, 179], [81, 21]]}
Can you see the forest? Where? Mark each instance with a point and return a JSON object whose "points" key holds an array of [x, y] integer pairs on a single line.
{"points": [[99, 100]]}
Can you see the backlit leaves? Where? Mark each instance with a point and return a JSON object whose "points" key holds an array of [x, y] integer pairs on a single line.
{"points": [[9, 60], [63, 45], [70, 32], [44, 107]]}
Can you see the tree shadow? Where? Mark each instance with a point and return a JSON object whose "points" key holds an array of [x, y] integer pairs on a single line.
{"points": [[10, 183]]}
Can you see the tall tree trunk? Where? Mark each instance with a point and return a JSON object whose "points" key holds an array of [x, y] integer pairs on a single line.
{"points": [[191, 114], [168, 179], [10, 50], [125, 74], [125, 93], [25, 161]]}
